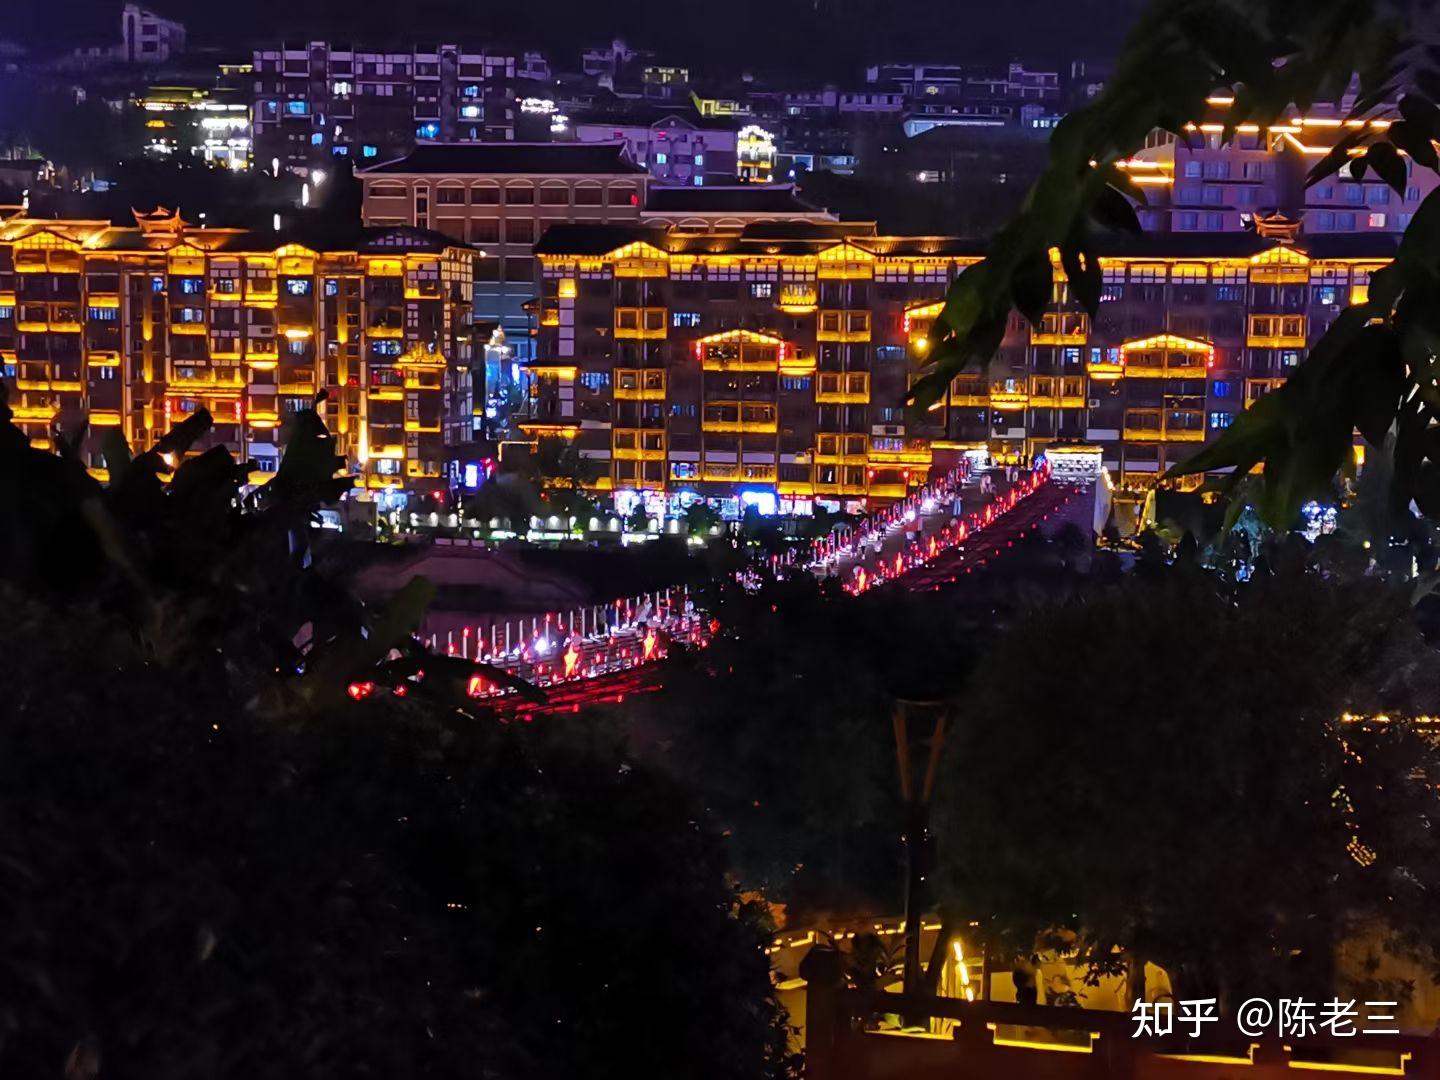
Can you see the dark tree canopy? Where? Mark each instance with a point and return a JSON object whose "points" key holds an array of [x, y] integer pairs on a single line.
{"points": [[248, 829], [1162, 766]]}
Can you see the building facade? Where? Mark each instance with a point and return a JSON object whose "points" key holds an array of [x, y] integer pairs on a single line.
{"points": [[676, 148], [770, 365], [318, 102], [501, 198], [137, 328], [148, 38], [1204, 183]]}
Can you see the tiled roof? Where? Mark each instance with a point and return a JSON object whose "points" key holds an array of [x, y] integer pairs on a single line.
{"points": [[512, 159]]}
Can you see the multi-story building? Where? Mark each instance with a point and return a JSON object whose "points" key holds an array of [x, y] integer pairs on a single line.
{"points": [[138, 327], [212, 124], [148, 38], [502, 197], [1205, 183], [771, 364], [317, 102], [675, 147]]}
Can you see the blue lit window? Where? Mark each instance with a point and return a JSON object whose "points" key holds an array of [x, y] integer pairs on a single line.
{"points": [[682, 410], [297, 346], [1221, 419], [684, 318], [1325, 294], [699, 181], [318, 139], [470, 112], [297, 286], [192, 315], [429, 130], [594, 380], [297, 108], [97, 314], [1220, 388], [157, 284], [272, 107], [368, 151], [1229, 292], [341, 151], [192, 286], [684, 470], [7, 312], [332, 287], [889, 352], [471, 91], [385, 347], [795, 382], [699, 159], [660, 159]]}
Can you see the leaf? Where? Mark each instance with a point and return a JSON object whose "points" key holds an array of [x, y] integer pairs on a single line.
{"points": [[1420, 114], [1338, 155], [1388, 165], [184, 434], [1378, 382], [1082, 269], [1030, 288], [1409, 138], [1113, 210]]}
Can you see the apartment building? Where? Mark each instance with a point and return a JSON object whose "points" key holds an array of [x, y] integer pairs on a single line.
{"points": [[138, 327], [770, 364], [147, 37], [676, 147], [502, 197], [1204, 183], [318, 102]]}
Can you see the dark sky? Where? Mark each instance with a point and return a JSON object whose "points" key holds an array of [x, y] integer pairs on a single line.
{"points": [[806, 37]]}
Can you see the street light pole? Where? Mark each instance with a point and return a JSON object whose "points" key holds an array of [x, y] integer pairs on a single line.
{"points": [[918, 841]]}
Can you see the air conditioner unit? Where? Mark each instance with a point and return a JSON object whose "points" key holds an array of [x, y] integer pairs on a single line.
{"points": [[1093, 403]]}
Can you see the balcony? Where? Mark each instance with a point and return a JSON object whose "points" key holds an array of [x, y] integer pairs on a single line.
{"points": [[1164, 425], [797, 299], [1009, 398], [1167, 356], [1061, 328], [1106, 365], [382, 332], [734, 417], [637, 384], [843, 326], [741, 350], [894, 451], [852, 388], [1276, 332], [640, 324]]}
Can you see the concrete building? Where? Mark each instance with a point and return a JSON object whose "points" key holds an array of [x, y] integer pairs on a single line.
{"points": [[138, 327], [1205, 184], [318, 102], [772, 363], [677, 147], [147, 37], [501, 197]]}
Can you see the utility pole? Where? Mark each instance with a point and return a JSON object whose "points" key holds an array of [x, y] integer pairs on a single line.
{"points": [[919, 855]]}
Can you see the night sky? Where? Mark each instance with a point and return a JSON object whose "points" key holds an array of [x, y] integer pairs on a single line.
{"points": [[716, 37]]}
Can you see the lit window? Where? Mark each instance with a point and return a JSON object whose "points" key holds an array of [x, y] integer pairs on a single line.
{"points": [[429, 130], [297, 286], [685, 318], [470, 111], [297, 108], [318, 139], [341, 151], [97, 314], [368, 151], [698, 181], [699, 159], [1377, 221], [660, 159]]}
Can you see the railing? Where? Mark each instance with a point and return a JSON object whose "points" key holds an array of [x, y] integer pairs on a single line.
{"points": [[582, 643], [951, 1039]]}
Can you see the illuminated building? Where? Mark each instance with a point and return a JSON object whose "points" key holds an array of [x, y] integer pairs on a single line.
{"points": [[755, 153], [774, 359], [321, 101], [678, 148], [501, 197], [212, 125], [137, 327], [1206, 184]]}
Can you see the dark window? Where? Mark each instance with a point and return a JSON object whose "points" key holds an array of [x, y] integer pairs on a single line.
{"points": [[589, 196], [519, 196], [485, 196]]}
